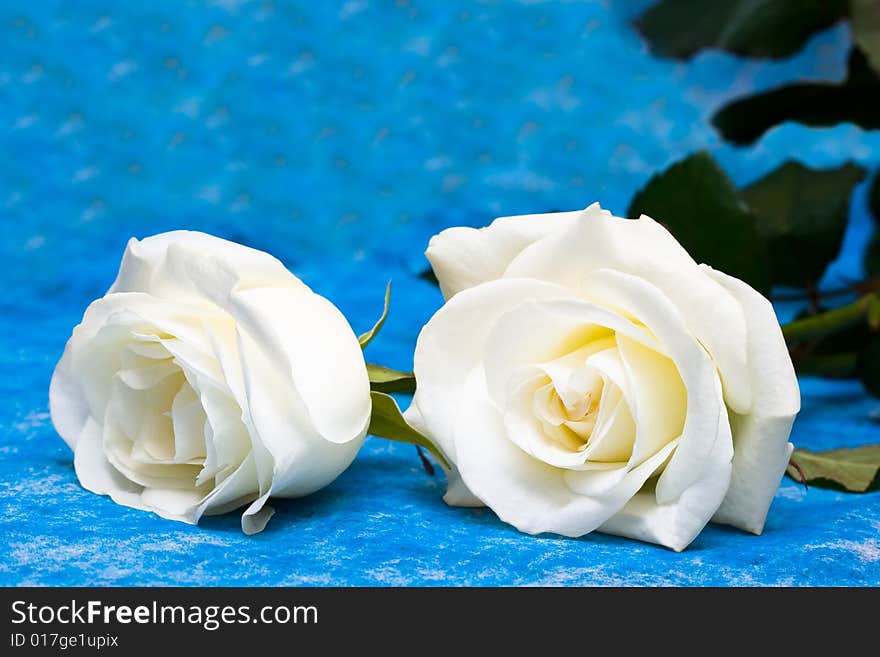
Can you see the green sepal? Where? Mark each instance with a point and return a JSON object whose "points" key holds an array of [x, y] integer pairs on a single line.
{"points": [[388, 422], [366, 338], [385, 379]]}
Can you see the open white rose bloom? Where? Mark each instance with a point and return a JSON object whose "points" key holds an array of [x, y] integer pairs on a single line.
{"points": [[209, 377], [586, 374]]}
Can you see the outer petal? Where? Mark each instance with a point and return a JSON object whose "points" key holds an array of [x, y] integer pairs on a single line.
{"points": [[464, 257], [68, 405], [303, 461], [525, 492], [320, 355], [182, 262], [646, 250], [453, 342], [90, 354], [760, 438], [97, 475]]}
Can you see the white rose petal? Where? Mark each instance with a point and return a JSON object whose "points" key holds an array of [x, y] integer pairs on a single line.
{"points": [[761, 447], [209, 378], [463, 257], [586, 374]]}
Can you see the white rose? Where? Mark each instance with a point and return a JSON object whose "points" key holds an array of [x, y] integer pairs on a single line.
{"points": [[586, 374], [209, 377]]}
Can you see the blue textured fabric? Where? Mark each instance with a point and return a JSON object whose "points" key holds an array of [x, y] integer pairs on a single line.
{"points": [[340, 137]]}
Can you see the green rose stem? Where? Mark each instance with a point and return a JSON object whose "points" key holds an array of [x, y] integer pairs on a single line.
{"points": [[386, 420], [802, 335], [819, 326], [835, 366]]}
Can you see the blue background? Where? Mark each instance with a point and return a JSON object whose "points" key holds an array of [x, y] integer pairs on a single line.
{"points": [[340, 137]]}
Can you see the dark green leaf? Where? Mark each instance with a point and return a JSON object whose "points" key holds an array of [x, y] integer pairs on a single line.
{"points": [[755, 28], [872, 255], [874, 198], [857, 100], [869, 366], [850, 469], [872, 314], [366, 338], [802, 215], [385, 379], [697, 202], [386, 421], [865, 22]]}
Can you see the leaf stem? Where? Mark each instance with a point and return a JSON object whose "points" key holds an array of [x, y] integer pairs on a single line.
{"points": [[823, 324], [426, 464], [797, 468]]}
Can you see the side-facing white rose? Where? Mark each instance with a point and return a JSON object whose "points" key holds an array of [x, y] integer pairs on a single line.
{"points": [[586, 374], [209, 377]]}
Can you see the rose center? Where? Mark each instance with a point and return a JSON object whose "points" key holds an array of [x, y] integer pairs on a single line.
{"points": [[569, 411], [170, 423]]}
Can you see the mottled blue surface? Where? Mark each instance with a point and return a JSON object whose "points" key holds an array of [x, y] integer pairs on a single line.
{"points": [[340, 137]]}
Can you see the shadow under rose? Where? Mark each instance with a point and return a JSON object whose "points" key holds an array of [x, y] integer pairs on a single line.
{"points": [[366, 487]]}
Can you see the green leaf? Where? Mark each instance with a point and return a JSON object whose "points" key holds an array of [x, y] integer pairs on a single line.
{"points": [[386, 421], [385, 379], [697, 202], [857, 100], [873, 313], [874, 197], [865, 22], [802, 215], [872, 255], [366, 338], [869, 366], [755, 28], [851, 469]]}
